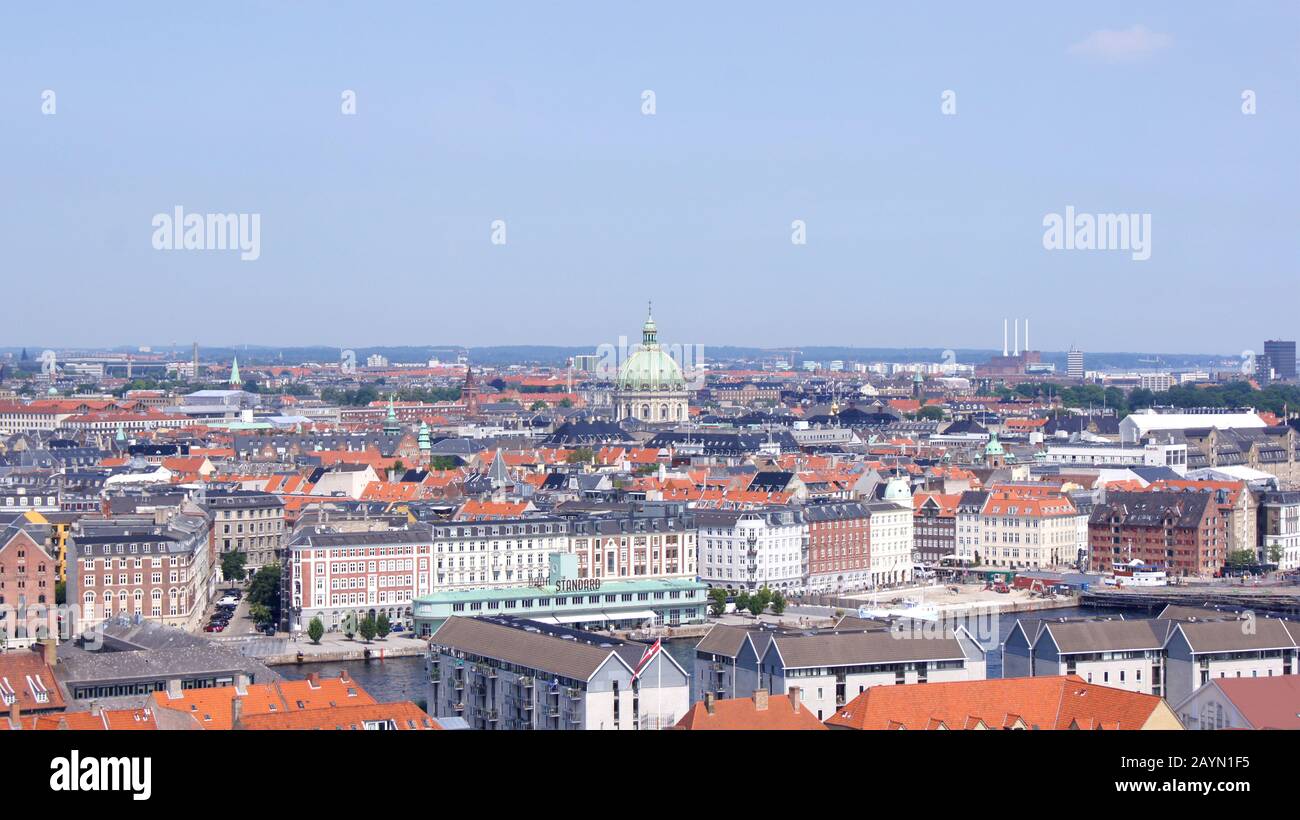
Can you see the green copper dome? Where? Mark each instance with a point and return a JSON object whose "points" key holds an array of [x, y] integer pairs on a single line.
{"points": [[994, 447], [650, 368]]}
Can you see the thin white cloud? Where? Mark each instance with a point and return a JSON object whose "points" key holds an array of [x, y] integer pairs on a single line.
{"points": [[1131, 44]]}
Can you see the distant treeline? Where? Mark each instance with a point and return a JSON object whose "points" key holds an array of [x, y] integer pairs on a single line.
{"points": [[1275, 398]]}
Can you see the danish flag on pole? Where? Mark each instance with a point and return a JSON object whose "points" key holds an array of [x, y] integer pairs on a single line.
{"points": [[650, 651]]}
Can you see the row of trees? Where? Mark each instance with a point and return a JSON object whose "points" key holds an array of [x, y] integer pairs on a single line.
{"points": [[368, 628], [756, 604], [369, 394], [1274, 398]]}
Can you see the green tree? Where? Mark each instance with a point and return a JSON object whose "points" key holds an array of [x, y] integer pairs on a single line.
{"points": [[260, 613], [778, 603], [1275, 553], [349, 625], [931, 412], [1238, 558], [232, 565], [265, 590], [582, 455], [367, 628], [61, 592], [742, 601], [764, 597], [538, 405], [315, 630], [382, 626], [756, 605], [718, 601]]}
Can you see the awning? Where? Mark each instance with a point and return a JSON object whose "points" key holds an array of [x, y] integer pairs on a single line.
{"points": [[635, 614], [574, 619], [543, 619]]}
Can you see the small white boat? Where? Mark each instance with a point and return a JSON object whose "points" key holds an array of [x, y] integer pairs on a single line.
{"points": [[912, 608]]}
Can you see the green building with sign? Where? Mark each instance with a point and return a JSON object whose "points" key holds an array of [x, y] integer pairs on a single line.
{"points": [[565, 599]]}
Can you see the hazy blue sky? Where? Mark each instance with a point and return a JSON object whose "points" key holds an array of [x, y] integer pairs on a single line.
{"points": [[923, 229]]}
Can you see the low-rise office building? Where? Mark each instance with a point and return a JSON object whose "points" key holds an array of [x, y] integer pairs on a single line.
{"points": [[565, 599]]}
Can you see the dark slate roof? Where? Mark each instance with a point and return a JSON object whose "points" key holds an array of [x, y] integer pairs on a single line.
{"points": [[588, 432], [771, 481], [1150, 509]]}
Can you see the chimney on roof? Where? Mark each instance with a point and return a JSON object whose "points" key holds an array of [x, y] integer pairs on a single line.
{"points": [[173, 688], [49, 652], [236, 712], [241, 683], [313, 680], [760, 700], [708, 702], [95, 708], [795, 693], [343, 675]]}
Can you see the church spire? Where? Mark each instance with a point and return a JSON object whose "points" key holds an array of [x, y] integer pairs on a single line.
{"points": [[235, 381], [649, 333], [391, 424]]}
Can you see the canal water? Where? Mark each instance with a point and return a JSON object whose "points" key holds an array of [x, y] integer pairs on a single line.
{"points": [[403, 678]]}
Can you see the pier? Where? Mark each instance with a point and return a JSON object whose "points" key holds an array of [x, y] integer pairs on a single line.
{"points": [[1275, 601]]}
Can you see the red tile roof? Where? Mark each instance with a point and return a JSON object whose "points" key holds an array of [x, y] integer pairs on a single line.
{"points": [[742, 713], [1266, 703], [26, 676], [213, 708], [1056, 702]]}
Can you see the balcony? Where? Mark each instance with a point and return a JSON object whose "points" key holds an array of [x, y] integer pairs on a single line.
{"points": [[526, 682], [573, 693], [459, 707], [492, 716]]}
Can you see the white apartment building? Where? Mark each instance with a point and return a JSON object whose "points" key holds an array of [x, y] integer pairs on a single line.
{"points": [[337, 574], [1157, 382], [891, 542], [1021, 529], [968, 540], [1107, 454], [749, 549]]}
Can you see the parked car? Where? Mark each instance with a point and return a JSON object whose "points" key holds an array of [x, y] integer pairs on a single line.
{"points": [[214, 628], [228, 601]]}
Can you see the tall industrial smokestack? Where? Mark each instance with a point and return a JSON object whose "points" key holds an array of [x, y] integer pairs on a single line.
{"points": [[1016, 349], [1004, 338]]}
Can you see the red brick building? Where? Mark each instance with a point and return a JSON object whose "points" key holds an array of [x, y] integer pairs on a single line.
{"points": [[27, 577], [839, 546], [1183, 533]]}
